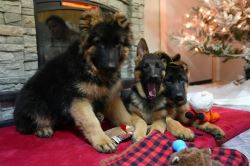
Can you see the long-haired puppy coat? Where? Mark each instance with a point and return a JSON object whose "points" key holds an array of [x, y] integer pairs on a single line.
{"points": [[147, 101], [73, 86]]}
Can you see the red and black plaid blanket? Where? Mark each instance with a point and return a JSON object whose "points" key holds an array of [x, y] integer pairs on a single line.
{"points": [[156, 149]]}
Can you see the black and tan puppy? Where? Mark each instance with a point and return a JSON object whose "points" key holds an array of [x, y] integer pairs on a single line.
{"points": [[147, 102], [73, 86], [176, 83]]}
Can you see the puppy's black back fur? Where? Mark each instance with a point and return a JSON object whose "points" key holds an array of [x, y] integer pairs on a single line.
{"points": [[50, 90]]}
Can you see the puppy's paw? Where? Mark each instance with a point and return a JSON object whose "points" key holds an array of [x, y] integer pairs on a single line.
{"points": [[184, 134], [217, 132], [137, 138], [105, 145], [44, 132]]}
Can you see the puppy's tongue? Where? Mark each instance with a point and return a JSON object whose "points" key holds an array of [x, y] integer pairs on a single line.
{"points": [[151, 90]]}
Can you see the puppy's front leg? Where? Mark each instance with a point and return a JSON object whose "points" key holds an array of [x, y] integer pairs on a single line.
{"points": [[140, 127], [210, 128], [159, 122], [159, 125], [82, 112], [116, 112], [178, 130]]}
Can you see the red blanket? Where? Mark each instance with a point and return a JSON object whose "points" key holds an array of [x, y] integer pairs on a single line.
{"points": [[68, 148], [156, 149]]}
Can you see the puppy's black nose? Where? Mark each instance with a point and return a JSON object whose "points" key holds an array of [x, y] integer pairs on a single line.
{"points": [[155, 77], [179, 97], [109, 69]]}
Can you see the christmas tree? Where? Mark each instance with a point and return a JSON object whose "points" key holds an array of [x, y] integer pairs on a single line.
{"points": [[218, 28]]}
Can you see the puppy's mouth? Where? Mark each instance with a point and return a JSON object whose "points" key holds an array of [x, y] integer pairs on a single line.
{"points": [[151, 90], [179, 103]]}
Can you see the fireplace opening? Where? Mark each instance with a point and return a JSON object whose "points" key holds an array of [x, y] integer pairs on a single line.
{"points": [[57, 25]]}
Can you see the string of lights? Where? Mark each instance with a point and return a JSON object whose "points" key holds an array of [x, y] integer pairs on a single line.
{"points": [[217, 28]]}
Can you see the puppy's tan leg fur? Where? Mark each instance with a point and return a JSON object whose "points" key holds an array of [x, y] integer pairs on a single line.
{"points": [[159, 125], [85, 119], [159, 122], [176, 128], [140, 127], [210, 128], [117, 112]]}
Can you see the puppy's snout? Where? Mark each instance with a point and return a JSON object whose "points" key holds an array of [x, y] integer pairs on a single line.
{"points": [[179, 97], [155, 77], [108, 58], [110, 67]]}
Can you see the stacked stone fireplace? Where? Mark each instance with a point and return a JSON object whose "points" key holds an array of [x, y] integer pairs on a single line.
{"points": [[18, 44]]}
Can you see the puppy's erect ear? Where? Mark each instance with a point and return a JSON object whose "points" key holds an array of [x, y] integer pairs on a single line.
{"points": [[142, 49], [177, 57], [165, 58]]}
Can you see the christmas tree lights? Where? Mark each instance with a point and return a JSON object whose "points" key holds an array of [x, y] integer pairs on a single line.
{"points": [[218, 28]]}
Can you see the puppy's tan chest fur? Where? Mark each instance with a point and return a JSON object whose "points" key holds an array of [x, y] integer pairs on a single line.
{"points": [[146, 109], [93, 91]]}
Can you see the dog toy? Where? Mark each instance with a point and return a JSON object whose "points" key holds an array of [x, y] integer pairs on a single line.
{"points": [[121, 133], [201, 104], [190, 156], [178, 145]]}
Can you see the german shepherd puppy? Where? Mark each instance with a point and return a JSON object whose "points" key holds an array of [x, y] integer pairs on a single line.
{"points": [[176, 83], [73, 86], [147, 101]]}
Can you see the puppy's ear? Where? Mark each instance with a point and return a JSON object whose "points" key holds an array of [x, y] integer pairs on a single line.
{"points": [[121, 20], [89, 18], [142, 49], [165, 58], [177, 57]]}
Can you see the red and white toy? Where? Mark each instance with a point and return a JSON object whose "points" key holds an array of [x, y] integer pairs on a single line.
{"points": [[201, 103]]}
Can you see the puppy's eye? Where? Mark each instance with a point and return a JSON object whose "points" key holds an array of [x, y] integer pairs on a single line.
{"points": [[169, 79], [122, 40], [157, 65], [145, 65], [182, 78]]}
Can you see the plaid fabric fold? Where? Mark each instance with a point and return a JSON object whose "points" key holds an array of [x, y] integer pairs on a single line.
{"points": [[156, 149]]}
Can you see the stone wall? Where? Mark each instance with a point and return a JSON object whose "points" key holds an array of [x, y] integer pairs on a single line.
{"points": [[18, 53]]}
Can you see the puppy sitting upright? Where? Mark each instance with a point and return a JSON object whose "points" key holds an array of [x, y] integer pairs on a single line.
{"points": [[74, 86], [176, 83], [148, 104]]}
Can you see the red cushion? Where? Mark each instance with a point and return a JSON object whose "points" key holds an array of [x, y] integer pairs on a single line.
{"points": [[68, 148], [232, 121]]}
